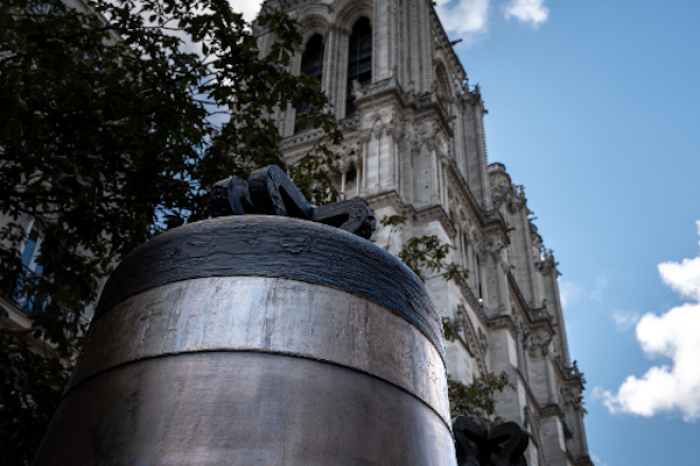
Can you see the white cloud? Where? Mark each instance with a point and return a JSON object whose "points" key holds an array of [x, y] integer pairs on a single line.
{"points": [[249, 8], [568, 292], [528, 11], [597, 461], [600, 283], [674, 387], [625, 319], [684, 277], [467, 17]]}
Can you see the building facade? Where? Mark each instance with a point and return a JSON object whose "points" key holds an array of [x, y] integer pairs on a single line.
{"points": [[414, 146]]}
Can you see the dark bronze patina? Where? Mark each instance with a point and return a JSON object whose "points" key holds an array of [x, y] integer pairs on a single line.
{"points": [[501, 445], [270, 192]]}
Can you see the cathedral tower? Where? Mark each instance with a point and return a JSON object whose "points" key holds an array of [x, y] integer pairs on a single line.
{"points": [[414, 146]]}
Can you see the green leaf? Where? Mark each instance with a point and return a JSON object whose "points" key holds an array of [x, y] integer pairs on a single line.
{"points": [[117, 141]]}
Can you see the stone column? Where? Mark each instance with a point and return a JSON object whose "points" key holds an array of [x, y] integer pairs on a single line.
{"points": [[381, 63], [538, 342], [338, 41]]}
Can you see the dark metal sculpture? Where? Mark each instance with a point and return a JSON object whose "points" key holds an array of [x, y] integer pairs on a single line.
{"points": [[266, 340], [230, 197], [269, 191], [502, 445], [251, 340]]}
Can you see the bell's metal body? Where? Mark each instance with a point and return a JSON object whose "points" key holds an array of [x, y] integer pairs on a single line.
{"points": [[258, 340]]}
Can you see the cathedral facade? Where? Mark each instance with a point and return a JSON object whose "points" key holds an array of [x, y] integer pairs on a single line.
{"points": [[414, 146]]}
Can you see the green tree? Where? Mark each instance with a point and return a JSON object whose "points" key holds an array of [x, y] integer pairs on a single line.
{"points": [[428, 255], [113, 124], [476, 400]]}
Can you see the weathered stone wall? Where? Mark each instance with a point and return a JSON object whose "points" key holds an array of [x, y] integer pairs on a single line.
{"points": [[417, 148]]}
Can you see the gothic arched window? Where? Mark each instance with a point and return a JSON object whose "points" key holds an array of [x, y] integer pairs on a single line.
{"points": [[359, 60], [312, 58], [311, 65], [441, 81]]}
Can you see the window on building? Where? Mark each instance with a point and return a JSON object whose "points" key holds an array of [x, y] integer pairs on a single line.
{"points": [[349, 182], [465, 251], [479, 290], [312, 66], [359, 60], [442, 84], [351, 175], [31, 304]]}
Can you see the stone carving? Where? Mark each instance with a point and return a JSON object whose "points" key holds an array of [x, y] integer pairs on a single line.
{"points": [[301, 138], [490, 245], [571, 396], [483, 342], [270, 192], [537, 341], [517, 321], [510, 196], [548, 265]]}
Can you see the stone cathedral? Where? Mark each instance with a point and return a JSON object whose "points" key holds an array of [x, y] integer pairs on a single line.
{"points": [[415, 146]]}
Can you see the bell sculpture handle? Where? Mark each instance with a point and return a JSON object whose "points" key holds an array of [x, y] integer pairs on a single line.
{"points": [[269, 191]]}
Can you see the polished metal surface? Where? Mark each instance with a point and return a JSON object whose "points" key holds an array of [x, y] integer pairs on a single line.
{"points": [[276, 247], [243, 408], [269, 315], [258, 341]]}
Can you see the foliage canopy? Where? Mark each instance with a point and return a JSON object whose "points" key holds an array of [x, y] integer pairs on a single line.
{"points": [[113, 124]]}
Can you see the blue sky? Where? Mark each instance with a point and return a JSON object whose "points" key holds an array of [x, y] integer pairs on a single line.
{"points": [[593, 106]]}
